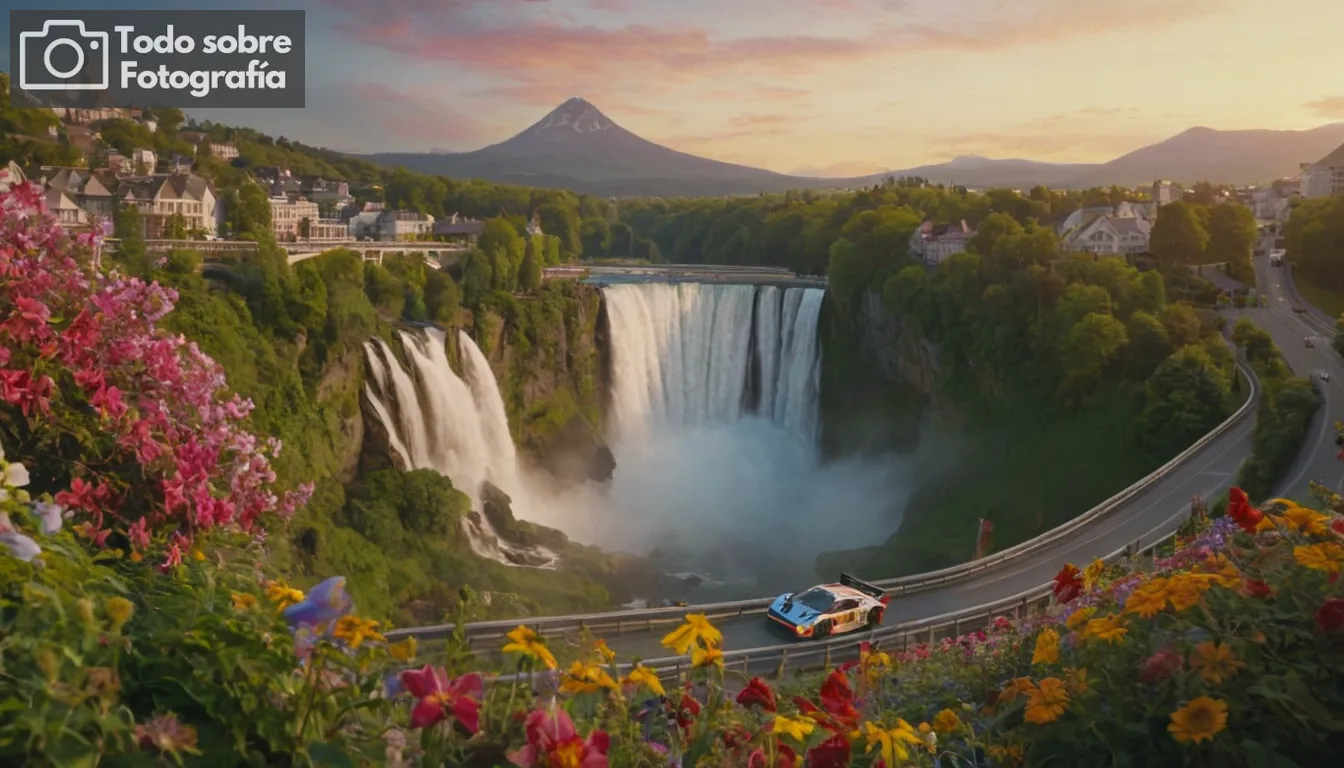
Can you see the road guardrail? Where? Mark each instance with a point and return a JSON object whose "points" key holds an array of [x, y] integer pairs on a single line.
{"points": [[771, 661], [491, 632]]}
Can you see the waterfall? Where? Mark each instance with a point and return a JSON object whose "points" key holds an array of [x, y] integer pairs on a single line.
{"points": [[455, 426], [681, 353]]}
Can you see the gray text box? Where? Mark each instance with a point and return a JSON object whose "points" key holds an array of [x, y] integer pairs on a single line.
{"points": [[247, 59]]}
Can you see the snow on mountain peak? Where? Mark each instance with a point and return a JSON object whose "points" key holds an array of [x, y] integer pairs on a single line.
{"points": [[577, 115]]}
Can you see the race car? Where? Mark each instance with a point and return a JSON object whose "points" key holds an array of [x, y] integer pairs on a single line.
{"points": [[830, 609]]}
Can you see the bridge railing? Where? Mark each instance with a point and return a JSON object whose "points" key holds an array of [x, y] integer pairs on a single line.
{"points": [[771, 661], [489, 632]]}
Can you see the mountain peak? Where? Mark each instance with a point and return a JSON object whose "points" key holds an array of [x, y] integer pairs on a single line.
{"points": [[576, 114]]}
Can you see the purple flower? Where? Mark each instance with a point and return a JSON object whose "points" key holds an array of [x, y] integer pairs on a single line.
{"points": [[20, 546], [52, 516], [324, 604]]}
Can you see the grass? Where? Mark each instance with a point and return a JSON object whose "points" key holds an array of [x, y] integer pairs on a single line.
{"points": [[1327, 300], [1027, 476]]}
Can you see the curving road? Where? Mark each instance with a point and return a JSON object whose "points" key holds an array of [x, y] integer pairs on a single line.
{"points": [[1316, 462], [1157, 509], [1161, 506]]}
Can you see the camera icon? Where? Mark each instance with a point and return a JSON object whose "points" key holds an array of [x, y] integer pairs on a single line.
{"points": [[43, 58]]}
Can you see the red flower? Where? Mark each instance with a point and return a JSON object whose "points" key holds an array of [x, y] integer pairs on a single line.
{"points": [[784, 758], [1330, 616], [1160, 666], [837, 713], [1257, 588], [1240, 510], [438, 697], [1068, 583], [831, 753], [552, 740], [1337, 525], [687, 711], [757, 693]]}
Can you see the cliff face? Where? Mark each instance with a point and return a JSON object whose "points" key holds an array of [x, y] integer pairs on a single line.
{"points": [[549, 355]]}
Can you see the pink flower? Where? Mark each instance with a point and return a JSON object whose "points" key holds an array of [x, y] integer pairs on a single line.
{"points": [[439, 697], [28, 321], [551, 733]]}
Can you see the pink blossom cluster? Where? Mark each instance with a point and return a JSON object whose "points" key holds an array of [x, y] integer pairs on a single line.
{"points": [[163, 449]]}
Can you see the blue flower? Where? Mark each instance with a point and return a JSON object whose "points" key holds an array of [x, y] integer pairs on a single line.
{"points": [[392, 685], [324, 604], [20, 546]]}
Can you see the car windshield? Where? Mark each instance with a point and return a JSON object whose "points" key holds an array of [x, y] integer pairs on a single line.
{"points": [[815, 598]]}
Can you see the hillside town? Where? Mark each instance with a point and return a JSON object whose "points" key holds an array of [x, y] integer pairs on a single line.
{"points": [[176, 201]]}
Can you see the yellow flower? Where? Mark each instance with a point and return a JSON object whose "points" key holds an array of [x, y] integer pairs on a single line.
{"points": [[1299, 518], [585, 678], [1092, 573], [891, 741], [606, 654], [1016, 687], [1109, 628], [1184, 590], [568, 755], [354, 631], [1079, 618], [1198, 720], [1149, 599], [282, 595], [706, 657], [404, 650], [1325, 556], [1216, 662], [523, 640], [796, 727], [1047, 648], [946, 721], [198, 555], [1047, 702], [641, 675], [242, 601], [119, 611], [1221, 571], [696, 630]]}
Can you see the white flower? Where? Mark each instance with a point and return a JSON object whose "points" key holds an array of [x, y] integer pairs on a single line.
{"points": [[13, 475], [20, 546], [52, 516]]}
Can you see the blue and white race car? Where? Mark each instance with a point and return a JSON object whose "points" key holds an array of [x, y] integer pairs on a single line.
{"points": [[830, 609]]}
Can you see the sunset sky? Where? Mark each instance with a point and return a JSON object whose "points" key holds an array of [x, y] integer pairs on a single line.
{"points": [[811, 86]]}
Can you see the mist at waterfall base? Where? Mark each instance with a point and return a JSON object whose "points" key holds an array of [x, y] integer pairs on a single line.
{"points": [[713, 422]]}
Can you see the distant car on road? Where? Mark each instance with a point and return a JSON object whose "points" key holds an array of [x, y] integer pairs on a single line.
{"points": [[1299, 310], [830, 609], [1309, 342]]}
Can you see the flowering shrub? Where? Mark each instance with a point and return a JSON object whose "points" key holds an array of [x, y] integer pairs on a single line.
{"points": [[127, 426]]}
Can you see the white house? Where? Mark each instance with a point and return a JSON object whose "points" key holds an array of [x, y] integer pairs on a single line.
{"points": [[287, 215], [936, 242], [161, 196], [1166, 192], [404, 225], [10, 175], [223, 151], [1111, 235], [1325, 177], [144, 158]]}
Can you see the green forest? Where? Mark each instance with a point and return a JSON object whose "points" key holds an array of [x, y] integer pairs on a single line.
{"points": [[1017, 356]]}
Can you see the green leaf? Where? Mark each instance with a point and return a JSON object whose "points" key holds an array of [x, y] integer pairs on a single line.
{"points": [[329, 755], [1260, 756]]}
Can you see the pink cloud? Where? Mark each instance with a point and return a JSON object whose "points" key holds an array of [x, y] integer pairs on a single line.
{"points": [[1330, 107]]}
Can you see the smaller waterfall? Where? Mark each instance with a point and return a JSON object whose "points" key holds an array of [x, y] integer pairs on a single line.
{"points": [[457, 427]]}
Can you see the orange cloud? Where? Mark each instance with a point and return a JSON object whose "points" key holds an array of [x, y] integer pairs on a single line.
{"points": [[1330, 107]]}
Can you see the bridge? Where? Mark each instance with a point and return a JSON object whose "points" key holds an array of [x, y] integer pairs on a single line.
{"points": [[700, 273], [437, 255], [927, 607]]}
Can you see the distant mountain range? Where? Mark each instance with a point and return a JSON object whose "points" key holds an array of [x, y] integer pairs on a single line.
{"points": [[577, 147]]}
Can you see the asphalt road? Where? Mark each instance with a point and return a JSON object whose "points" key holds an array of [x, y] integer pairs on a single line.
{"points": [[1151, 515], [1317, 461]]}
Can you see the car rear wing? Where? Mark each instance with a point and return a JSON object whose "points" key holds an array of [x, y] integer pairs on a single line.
{"points": [[863, 586]]}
